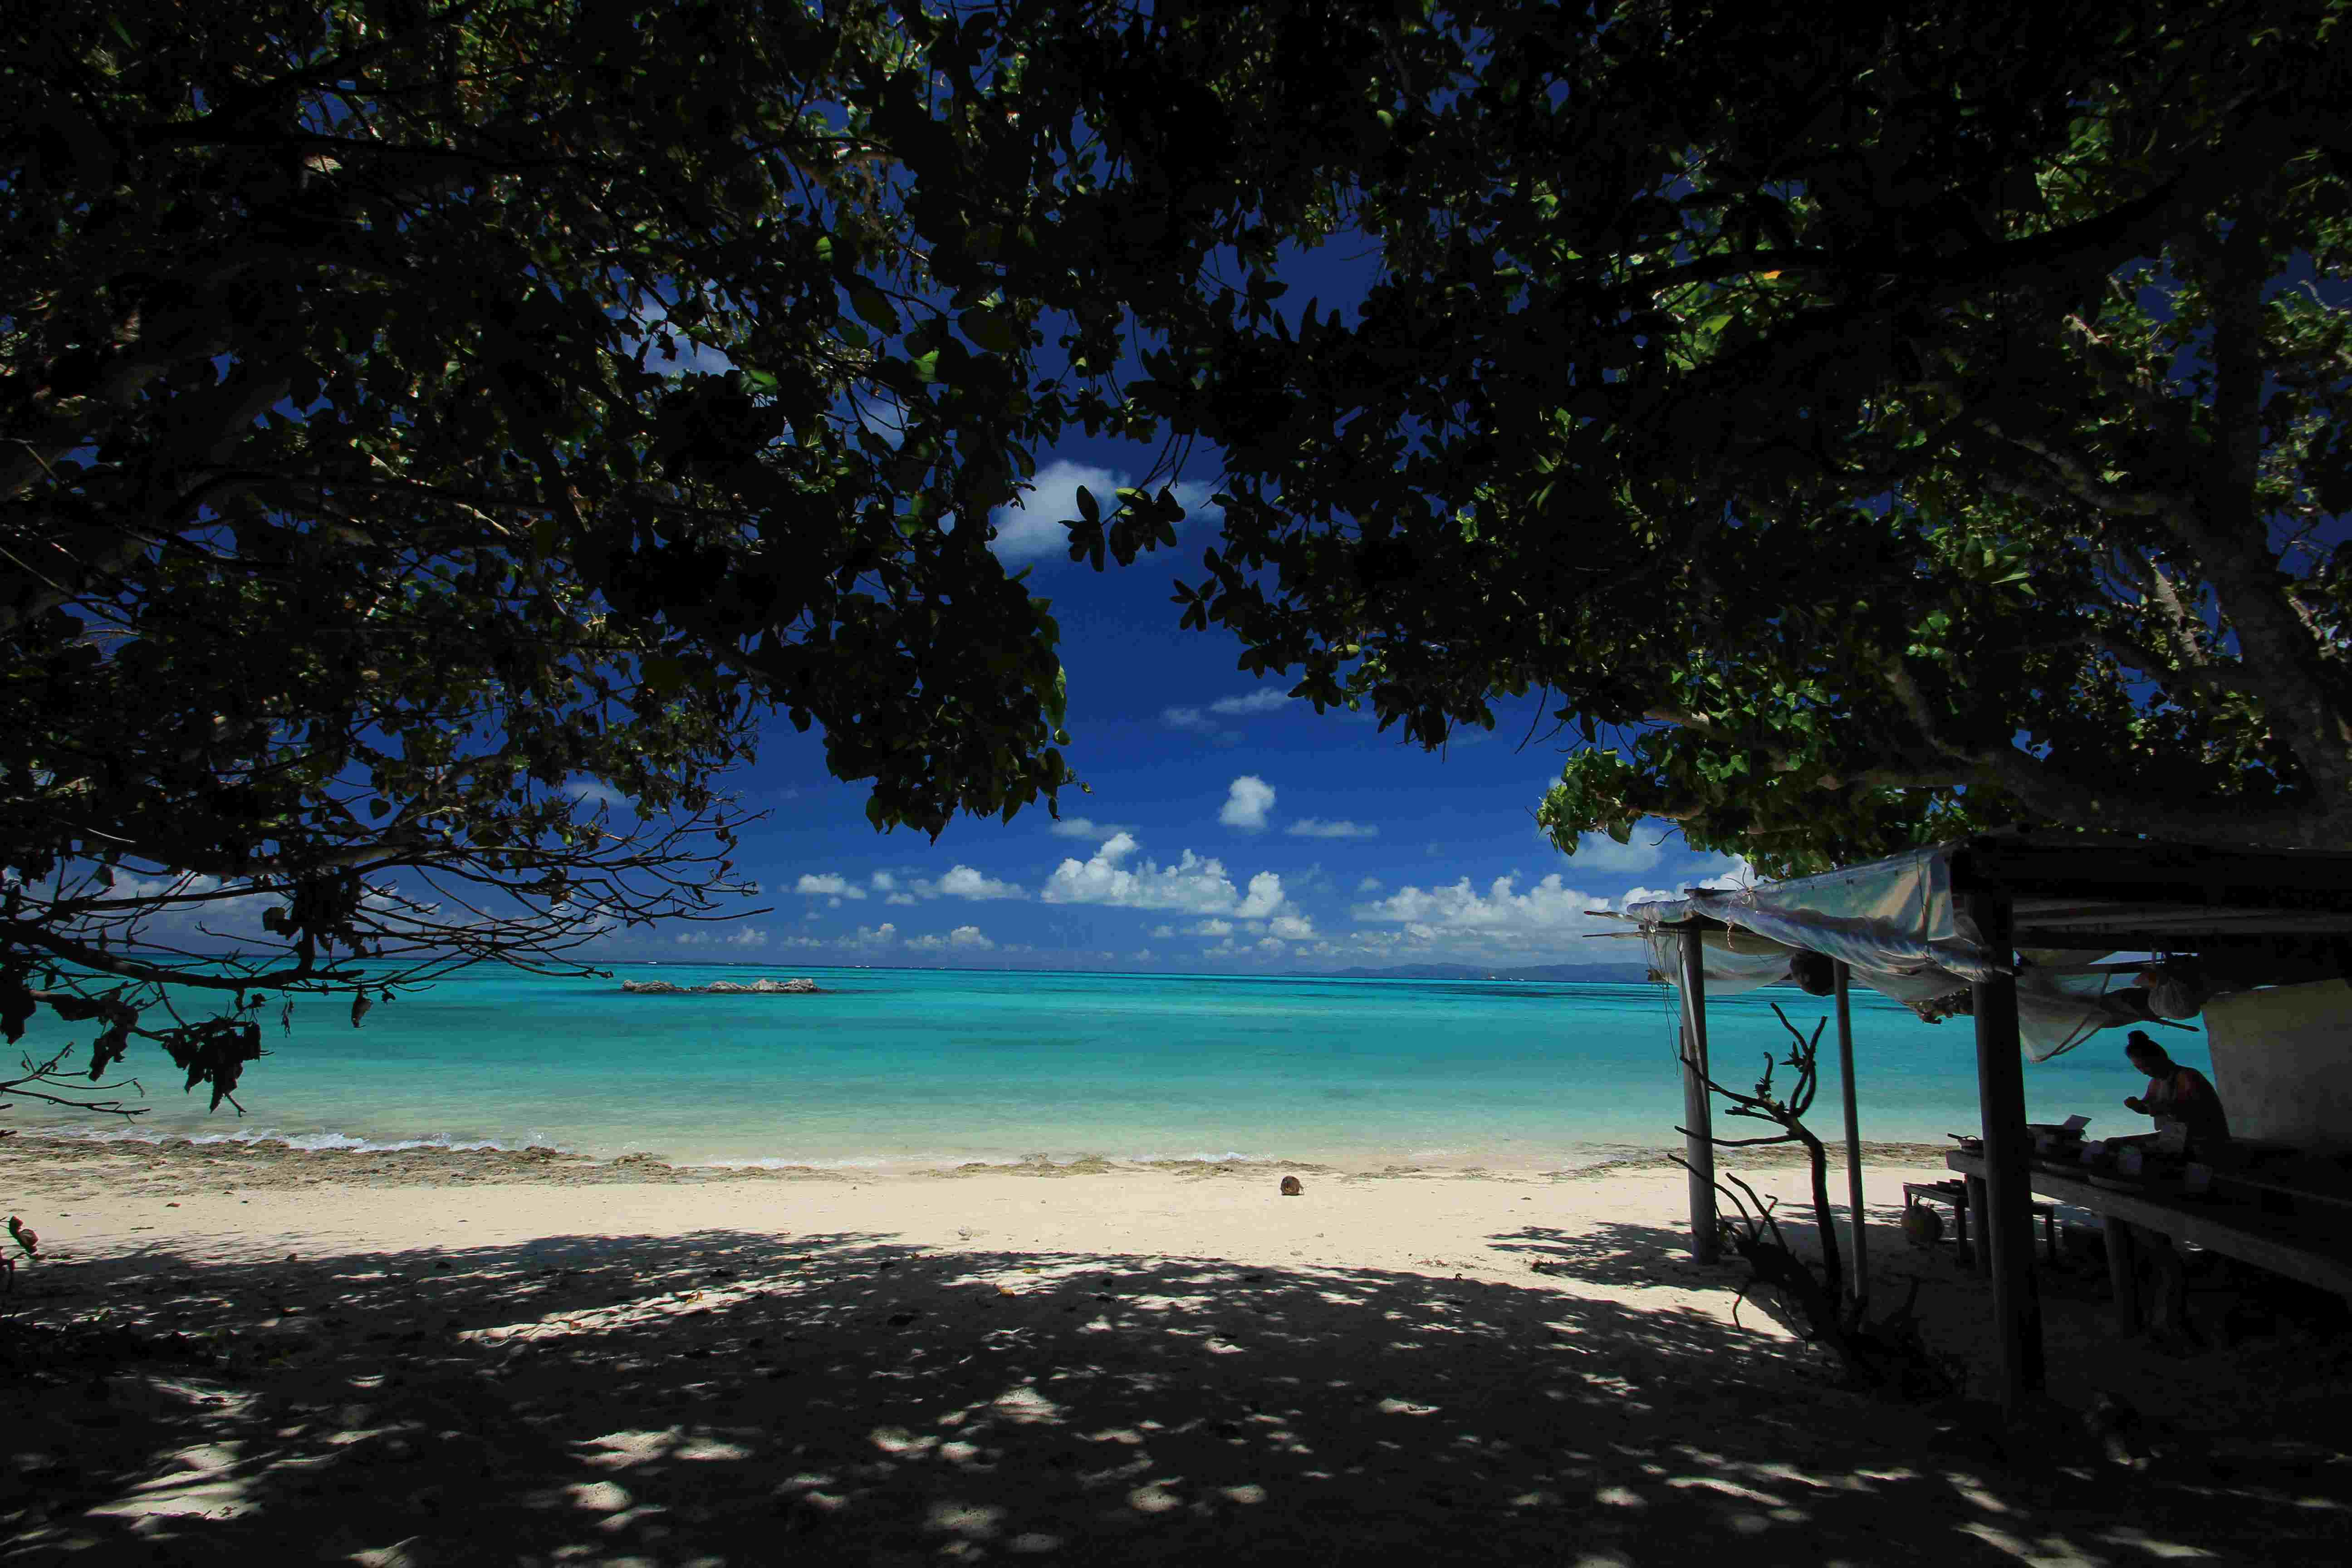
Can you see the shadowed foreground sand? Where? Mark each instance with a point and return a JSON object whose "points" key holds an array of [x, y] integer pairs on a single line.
{"points": [[1516, 1369]]}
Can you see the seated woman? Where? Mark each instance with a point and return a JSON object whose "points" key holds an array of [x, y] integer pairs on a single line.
{"points": [[2177, 1096]]}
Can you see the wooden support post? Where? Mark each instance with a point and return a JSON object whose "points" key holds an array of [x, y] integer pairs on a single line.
{"points": [[1860, 1279], [1980, 1221], [2008, 1235], [2123, 1272], [1699, 1111]]}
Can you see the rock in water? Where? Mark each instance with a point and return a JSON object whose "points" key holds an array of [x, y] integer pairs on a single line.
{"points": [[800, 988], [1292, 1187]]}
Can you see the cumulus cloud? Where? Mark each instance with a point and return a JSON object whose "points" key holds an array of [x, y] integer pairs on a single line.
{"points": [[1115, 875], [1214, 928], [1032, 531], [888, 886], [1502, 914], [883, 935], [1291, 928], [1370, 885], [1264, 896], [1083, 827], [963, 938], [1246, 804], [960, 882], [1740, 875], [1314, 827], [1599, 852], [827, 885], [964, 882]]}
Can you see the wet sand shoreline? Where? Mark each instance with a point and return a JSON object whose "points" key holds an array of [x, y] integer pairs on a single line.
{"points": [[133, 1164]]}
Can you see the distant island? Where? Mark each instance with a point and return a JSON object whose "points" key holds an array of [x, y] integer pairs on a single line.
{"points": [[1571, 974], [725, 989]]}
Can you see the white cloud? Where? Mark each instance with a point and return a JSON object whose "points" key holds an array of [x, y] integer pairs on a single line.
{"points": [[1192, 885], [963, 938], [964, 882], [594, 792], [1265, 699], [1264, 896], [883, 883], [829, 885], [1550, 911], [1312, 828], [684, 353], [1032, 531], [960, 882], [1739, 875], [1599, 852], [1207, 720], [1163, 932], [883, 935], [1196, 722], [1370, 885], [1291, 928], [742, 936], [1083, 827], [1733, 873], [1214, 928], [1246, 804]]}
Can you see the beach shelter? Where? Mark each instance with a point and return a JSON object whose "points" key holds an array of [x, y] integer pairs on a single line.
{"points": [[2020, 926]]}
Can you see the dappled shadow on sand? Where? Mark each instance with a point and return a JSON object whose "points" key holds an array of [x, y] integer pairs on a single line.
{"points": [[732, 1397]]}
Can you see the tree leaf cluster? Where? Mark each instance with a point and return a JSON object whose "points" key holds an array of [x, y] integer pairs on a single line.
{"points": [[1858, 432]]}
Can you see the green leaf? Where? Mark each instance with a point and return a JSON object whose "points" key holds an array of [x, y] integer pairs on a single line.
{"points": [[662, 674], [874, 311], [990, 331]]}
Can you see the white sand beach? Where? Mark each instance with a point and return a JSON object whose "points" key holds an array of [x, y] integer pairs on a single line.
{"points": [[435, 1358]]}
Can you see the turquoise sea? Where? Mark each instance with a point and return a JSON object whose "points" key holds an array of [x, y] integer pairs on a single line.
{"points": [[929, 1067]]}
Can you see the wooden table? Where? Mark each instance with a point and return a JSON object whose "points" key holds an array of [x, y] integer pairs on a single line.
{"points": [[2313, 1255]]}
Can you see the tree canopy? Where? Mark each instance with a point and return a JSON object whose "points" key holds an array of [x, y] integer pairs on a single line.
{"points": [[425, 422], [1916, 420]]}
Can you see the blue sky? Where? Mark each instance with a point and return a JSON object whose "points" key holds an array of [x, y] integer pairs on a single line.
{"points": [[1228, 827]]}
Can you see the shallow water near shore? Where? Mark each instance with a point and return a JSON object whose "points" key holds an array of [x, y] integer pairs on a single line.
{"points": [[915, 1068]]}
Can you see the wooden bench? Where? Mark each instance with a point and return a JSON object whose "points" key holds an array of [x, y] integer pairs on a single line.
{"points": [[1955, 1195]]}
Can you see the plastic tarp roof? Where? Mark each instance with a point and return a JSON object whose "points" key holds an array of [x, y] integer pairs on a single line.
{"points": [[1894, 916], [1897, 928]]}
